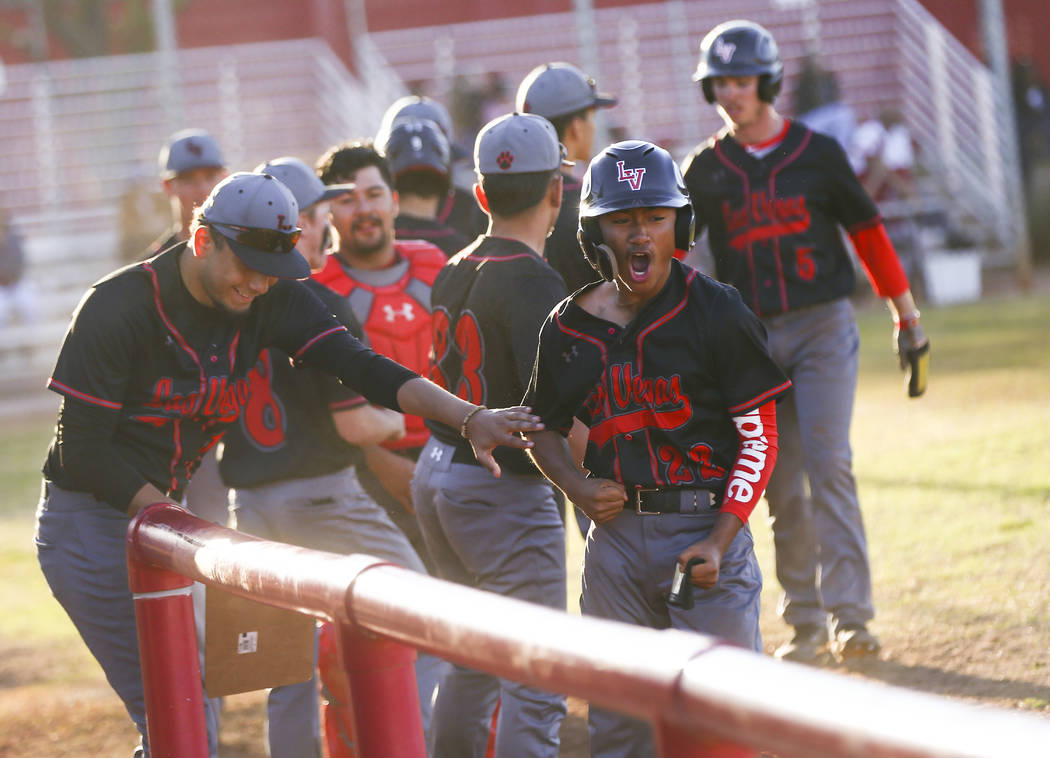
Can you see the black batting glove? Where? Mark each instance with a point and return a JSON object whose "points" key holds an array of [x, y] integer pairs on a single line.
{"points": [[912, 348]]}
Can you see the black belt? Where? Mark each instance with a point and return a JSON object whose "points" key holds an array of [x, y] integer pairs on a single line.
{"points": [[655, 501]]}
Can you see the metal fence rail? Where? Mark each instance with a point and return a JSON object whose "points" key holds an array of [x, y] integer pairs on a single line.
{"points": [[701, 696]]}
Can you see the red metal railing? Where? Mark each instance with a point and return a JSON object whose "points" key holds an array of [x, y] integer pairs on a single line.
{"points": [[704, 699]]}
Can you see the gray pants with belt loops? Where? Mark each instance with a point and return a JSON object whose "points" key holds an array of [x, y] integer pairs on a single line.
{"points": [[80, 546], [818, 532], [627, 571], [505, 536]]}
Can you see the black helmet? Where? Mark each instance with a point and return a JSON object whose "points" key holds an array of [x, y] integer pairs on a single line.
{"points": [[740, 48], [416, 145], [631, 174]]}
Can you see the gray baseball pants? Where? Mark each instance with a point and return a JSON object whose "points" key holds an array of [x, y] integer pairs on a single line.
{"points": [[505, 536], [627, 571], [80, 547], [335, 514], [818, 532]]}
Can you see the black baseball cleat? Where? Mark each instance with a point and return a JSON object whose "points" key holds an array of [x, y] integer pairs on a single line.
{"points": [[853, 641], [809, 645]]}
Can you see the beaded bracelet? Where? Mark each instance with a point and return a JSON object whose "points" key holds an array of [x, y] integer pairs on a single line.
{"points": [[908, 320], [466, 419]]}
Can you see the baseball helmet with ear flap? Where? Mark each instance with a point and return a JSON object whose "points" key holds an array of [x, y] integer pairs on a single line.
{"points": [[631, 174], [740, 48]]}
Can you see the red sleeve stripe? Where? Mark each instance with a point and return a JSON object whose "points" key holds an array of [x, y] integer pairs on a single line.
{"points": [[316, 339], [65, 389], [354, 402], [880, 261], [761, 398]]}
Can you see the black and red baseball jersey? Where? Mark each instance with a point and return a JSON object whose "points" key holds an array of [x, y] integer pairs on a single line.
{"points": [[562, 249], [415, 228], [489, 302], [393, 306], [152, 377], [659, 394], [461, 211], [285, 430], [773, 220]]}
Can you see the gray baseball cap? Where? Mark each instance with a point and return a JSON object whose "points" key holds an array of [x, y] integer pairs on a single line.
{"points": [[256, 214], [558, 89], [306, 187], [518, 143], [187, 150]]}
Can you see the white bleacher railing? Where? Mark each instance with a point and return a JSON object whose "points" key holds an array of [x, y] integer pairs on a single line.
{"points": [[80, 134]]}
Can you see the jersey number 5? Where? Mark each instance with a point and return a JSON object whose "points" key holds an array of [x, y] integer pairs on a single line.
{"points": [[804, 264], [465, 340]]}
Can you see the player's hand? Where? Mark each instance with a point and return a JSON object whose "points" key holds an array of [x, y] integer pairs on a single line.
{"points": [[394, 424], [488, 429], [912, 347], [601, 499], [705, 574]]}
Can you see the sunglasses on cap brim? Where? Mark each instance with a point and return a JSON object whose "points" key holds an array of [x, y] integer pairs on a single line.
{"points": [[267, 240]]}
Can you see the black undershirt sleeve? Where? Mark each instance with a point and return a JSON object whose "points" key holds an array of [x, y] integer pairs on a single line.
{"points": [[373, 375], [90, 461]]}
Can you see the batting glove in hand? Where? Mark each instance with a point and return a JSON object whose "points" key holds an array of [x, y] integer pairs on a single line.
{"points": [[912, 347]]}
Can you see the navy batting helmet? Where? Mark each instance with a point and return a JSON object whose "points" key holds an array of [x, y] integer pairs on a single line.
{"points": [[740, 48], [631, 174], [416, 145]]}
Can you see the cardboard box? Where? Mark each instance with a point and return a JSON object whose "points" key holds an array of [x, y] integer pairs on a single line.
{"points": [[251, 646]]}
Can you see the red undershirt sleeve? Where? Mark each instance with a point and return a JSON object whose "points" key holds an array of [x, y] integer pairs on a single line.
{"points": [[755, 460], [880, 260]]}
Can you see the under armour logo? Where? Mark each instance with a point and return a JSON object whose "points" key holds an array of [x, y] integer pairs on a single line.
{"points": [[633, 176], [723, 50], [194, 148], [405, 312], [436, 454], [505, 160], [569, 354], [417, 143]]}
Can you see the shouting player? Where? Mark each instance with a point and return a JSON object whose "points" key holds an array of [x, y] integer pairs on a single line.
{"points": [[155, 366], [506, 537], [670, 371], [772, 195]]}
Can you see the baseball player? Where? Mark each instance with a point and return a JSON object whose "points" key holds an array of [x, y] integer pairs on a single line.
{"points": [[153, 369], [772, 195], [290, 463], [387, 283], [569, 99], [670, 371], [191, 164], [420, 161], [507, 536], [458, 209]]}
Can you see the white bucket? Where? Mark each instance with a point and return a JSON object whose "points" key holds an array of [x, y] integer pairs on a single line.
{"points": [[952, 277]]}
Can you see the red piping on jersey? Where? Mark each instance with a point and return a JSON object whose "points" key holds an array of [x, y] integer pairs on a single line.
{"points": [[446, 209], [761, 398], [663, 319], [176, 436], [747, 198], [176, 431], [353, 402], [497, 258], [320, 336], [67, 390], [233, 349], [178, 335], [772, 194]]}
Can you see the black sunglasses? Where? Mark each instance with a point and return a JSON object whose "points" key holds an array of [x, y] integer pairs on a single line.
{"points": [[269, 240]]}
